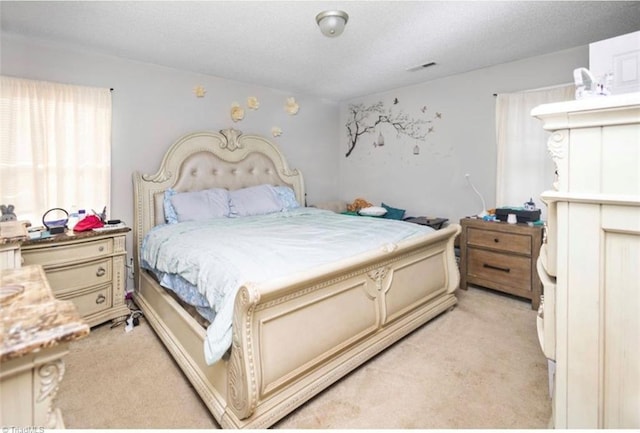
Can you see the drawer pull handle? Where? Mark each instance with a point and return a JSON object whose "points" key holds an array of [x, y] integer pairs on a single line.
{"points": [[497, 268], [100, 299], [101, 248], [101, 271]]}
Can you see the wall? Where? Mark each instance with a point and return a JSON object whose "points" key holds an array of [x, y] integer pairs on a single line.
{"points": [[153, 106], [619, 56], [463, 139]]}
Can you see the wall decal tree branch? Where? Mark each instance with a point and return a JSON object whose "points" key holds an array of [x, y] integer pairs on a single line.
{"points": [[359, 123]]}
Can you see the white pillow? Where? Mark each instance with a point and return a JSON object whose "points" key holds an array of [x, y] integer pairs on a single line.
{"points": [[372, 211], [201, 205], [254, 200]]}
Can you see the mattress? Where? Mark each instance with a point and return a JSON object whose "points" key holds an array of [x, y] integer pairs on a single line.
{"points": [[213, 258]]}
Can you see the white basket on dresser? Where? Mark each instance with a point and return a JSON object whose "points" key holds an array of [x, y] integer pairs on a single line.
{"points": [[589, 321]]}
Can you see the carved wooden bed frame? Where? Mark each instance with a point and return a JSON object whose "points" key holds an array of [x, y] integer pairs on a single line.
{"points": [[296, 336]]}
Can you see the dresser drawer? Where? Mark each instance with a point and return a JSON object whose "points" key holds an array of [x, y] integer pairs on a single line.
{"points": [[546, 320], [551, 236], [67, 253], [499, 269], [90, 302], [501, 241], [69, 278]]}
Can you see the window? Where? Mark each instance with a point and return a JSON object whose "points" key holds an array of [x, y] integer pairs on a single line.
{"points": [[524, 168], [55, 147]]}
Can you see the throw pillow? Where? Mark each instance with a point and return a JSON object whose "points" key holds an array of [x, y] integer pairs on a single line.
{"points": [[393, 213]]}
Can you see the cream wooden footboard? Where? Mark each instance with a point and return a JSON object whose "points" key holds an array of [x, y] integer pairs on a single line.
{"points": [[294, 336]]}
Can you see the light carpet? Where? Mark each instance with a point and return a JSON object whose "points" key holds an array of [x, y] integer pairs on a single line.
{"points": [[477, 366]]}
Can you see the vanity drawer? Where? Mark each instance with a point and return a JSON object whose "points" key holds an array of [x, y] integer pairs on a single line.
{"points": [[501, 241], [69, 278], [499, 270], [67, 253], [90, 302]]}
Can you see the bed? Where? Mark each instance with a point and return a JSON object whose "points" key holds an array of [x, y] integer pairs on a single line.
{"points": [[295, 335]]}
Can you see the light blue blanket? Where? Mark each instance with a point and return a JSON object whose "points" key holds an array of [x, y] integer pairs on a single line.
{"points": [[219, 255]]}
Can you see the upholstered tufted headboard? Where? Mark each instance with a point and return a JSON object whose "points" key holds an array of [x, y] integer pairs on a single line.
{"points": [[204, 160]]}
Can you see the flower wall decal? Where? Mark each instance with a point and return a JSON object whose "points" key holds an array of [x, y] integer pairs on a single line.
{"points": [[199, 91], [276, 131], [253, 103], [291, 106], [237, 112]]}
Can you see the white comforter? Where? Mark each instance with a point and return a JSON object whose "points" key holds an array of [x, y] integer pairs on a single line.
{"points": [[219, 255]]}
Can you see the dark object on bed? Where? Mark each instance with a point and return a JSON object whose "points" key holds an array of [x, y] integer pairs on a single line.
{"points": [[435, 223]]}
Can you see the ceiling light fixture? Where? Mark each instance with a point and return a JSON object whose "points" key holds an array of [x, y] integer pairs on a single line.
{"points": [[332, 23]]}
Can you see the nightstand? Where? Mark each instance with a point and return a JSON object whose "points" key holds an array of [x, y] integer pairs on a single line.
{"points": [[88, 268], [436, 223], [501, 256]]}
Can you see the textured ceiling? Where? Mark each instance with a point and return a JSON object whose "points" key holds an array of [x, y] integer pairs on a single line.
{"points": [[277, 43]]}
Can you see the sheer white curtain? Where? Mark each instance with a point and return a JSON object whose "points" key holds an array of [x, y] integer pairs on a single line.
{"points": [[524, 168], [55, 147]]}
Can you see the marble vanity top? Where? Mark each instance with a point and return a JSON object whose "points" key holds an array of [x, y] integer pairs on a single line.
{"points": [[31, 318]]}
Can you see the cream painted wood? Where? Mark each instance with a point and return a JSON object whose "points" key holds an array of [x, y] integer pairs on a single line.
{"points": [[11, 235], [10, 256], [29, 385], [90, 271], [68, 253], [593, 251], [547, 328], [295, 337], [35, 332]]}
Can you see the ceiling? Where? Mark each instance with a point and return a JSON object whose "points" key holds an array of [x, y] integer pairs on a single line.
{"points": [[278, 44]]}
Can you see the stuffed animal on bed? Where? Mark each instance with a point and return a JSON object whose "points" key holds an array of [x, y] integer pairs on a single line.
{"points": [[358, 204], [8, 213]]}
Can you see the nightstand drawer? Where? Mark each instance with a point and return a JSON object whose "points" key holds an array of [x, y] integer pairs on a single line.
{"points": [[70, 278], [501, 269], [66, 253], [91, 302], [496, 240]]}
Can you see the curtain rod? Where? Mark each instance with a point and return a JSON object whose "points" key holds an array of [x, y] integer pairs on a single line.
{"points": [[539, 88]]}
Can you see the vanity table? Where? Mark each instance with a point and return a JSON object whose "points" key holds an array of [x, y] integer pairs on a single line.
{"points": [[35, 330]]}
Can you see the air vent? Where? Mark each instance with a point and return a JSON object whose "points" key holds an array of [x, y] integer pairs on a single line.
{"points": [[423, 66]]}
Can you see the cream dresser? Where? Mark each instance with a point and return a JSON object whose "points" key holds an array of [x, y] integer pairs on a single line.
{"points": [[589, 320], [35, 331], [87, 268], [12, 234]]}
